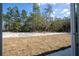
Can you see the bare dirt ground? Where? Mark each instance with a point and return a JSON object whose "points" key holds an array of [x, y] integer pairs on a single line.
{"points": [[34, 45]]}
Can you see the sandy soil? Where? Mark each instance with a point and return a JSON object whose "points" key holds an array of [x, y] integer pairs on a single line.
{"points": [[34, 45]]}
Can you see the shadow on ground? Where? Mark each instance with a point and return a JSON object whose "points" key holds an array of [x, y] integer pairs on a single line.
{"points": [[50, 52]]}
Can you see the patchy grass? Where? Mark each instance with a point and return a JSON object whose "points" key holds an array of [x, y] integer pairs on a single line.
{"points": [[34, 45]]}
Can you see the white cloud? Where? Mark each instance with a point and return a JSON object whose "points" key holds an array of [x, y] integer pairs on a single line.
{"points": [[64, 11], [56, 9], [54, 12], [54, 3], [68, 13], [52, 15]]}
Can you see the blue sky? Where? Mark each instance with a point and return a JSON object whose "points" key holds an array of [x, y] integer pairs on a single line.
{"points": [[59, 9]]}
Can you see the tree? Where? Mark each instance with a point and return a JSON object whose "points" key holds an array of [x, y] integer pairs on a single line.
{"points": [[16, 26], [56, 25], [9, 17], [34, 16], [36, 22], [23, 17], [60, 25], [13, 15], [36, 8], [48, 11], [23, 14], [5, 19], [39, 23], [17, 20], [66, 25], [24, 21]]}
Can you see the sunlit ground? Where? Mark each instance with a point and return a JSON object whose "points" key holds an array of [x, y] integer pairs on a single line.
{"points": [[34, 45]]}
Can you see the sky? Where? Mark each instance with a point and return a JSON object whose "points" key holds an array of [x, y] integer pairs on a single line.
{"points": [[60, 10]]}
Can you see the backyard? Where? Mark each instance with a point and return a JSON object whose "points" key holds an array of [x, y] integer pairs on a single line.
{"points": [[34, 45], [35, 29]]}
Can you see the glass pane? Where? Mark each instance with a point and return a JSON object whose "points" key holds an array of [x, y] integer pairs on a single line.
{"points": [[36, 29]]}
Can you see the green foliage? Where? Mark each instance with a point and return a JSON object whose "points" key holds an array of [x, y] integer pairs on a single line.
{"points": [[60, 25], [36, 22], [57, 25], [48, 12], [24, 14], [36, 8]]}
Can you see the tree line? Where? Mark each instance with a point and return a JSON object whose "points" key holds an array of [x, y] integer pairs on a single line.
{"points": [[37, 21]]}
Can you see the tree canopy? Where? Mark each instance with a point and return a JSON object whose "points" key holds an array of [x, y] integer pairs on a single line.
{"points": [[16, 21]]}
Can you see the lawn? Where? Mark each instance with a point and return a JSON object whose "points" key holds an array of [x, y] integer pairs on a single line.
{"points": [[34, 45]]}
